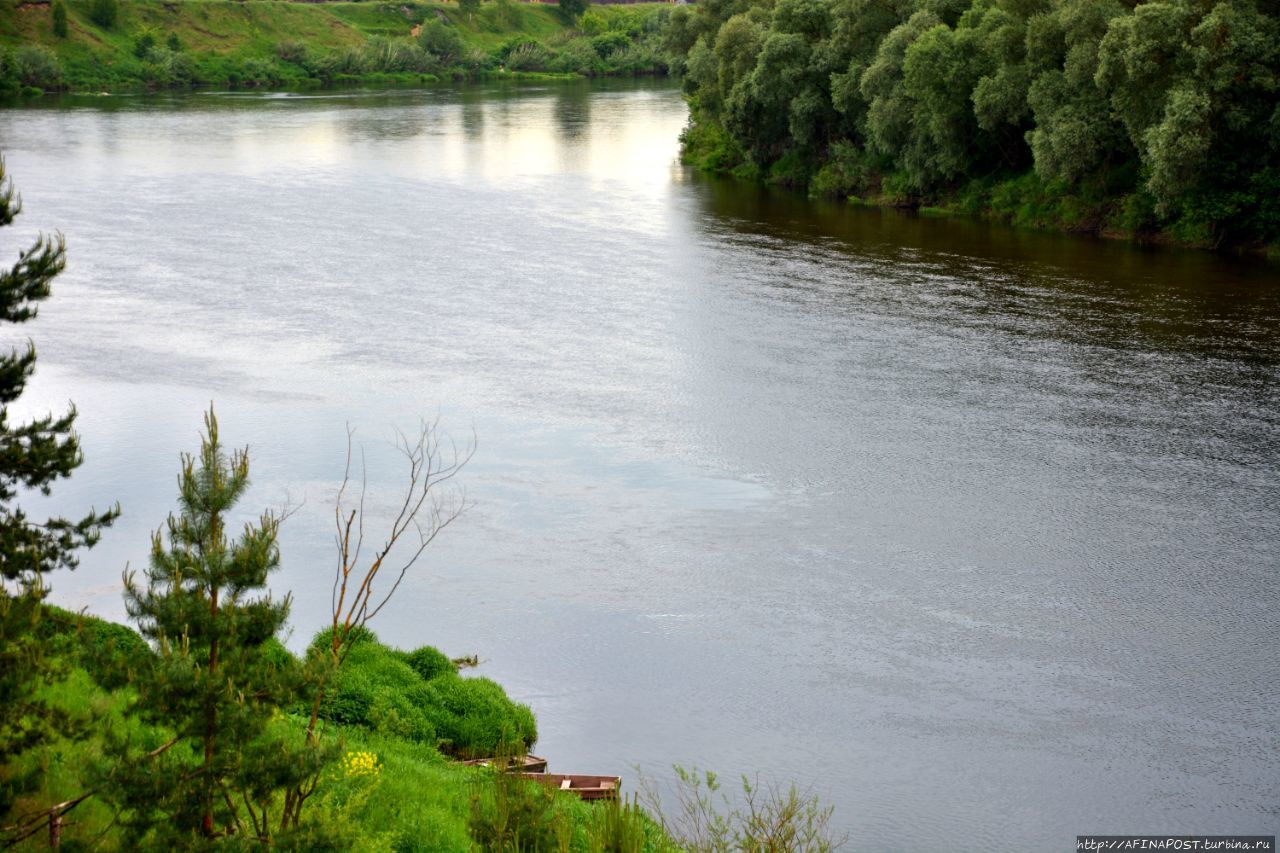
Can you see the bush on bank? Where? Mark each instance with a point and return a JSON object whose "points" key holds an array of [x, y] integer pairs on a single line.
{"points": [[420, 697]]}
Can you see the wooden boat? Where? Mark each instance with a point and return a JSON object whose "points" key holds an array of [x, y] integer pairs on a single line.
{"points": [[521, 763], [586, 787]]}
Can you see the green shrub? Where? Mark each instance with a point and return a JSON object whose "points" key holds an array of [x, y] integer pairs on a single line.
{"points": [[708, 147], [143, 45], [513, 44], [370, 669], [293, 52], [255, 72], [277, 656], [321, 66], [104, 13], [390, 56], [577, 56], [35, 65], [896, 188], [473, 717], [609, 43], [441, 41], [108, 651], [593, 23], [848, 171], [638, 58], [429, 662], [323, 640], [114, 654], [528, 56], [381, 689]]}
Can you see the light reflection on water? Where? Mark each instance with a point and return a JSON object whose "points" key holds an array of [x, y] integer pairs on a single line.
{"points": [[972, 529]]}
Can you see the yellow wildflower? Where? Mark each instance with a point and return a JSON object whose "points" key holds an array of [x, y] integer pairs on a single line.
{"points": [[361, 764]]}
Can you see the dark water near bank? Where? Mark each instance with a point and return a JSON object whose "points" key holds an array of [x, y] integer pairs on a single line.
{"points": [[976, 531]]}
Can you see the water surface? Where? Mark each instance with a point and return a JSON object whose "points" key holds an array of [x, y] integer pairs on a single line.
{"points": [[973, 530]]}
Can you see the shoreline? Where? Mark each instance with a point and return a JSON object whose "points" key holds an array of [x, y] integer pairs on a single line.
{"points": [[703, 149]]}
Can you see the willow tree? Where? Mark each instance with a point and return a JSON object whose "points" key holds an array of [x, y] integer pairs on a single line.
{"points": [[1197, 87]]}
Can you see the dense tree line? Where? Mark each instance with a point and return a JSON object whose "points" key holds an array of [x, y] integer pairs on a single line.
{"points": [[1156, 115]]}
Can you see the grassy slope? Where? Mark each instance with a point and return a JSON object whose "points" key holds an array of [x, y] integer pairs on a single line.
{"points": [[419, 800], [215, 26], [416, 801], [251, 29]]}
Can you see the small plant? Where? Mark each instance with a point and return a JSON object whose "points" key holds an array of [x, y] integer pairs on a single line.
{"points": [[618, 827], [361, 765], [173, 43], [510, 813], [767, 819], [59, 13]]}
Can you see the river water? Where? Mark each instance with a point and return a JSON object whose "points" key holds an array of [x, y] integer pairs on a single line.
{"points": [[975, 531]]}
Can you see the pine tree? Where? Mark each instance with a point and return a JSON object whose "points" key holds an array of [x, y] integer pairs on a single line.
{"points": [[215, 684], [33, 456]]}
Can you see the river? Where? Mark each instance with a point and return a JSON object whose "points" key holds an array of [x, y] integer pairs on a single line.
{"points": [[973, 530]]}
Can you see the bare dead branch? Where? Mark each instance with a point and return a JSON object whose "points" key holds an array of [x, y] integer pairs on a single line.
{"points": [[430, 503], [34, 822]]}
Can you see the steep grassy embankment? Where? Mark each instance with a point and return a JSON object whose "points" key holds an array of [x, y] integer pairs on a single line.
{"points": [[154, 43], [390, 786]]}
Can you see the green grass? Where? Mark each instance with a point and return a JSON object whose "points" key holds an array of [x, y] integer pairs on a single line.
{"points": [[416, 800], [406, 796]]}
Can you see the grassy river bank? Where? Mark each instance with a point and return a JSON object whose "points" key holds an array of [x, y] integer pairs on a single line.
{"points": [[152, 44]]}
